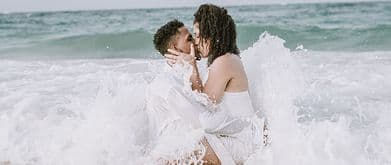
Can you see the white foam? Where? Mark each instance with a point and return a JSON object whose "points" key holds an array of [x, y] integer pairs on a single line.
{"points": [[283, 81], [322, 107]]}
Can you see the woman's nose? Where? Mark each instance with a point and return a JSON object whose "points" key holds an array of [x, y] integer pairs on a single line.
{"points": [[195, 41]]}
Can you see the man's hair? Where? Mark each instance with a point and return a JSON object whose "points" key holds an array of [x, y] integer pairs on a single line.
{"points": [[216, 25], [165, 35]]}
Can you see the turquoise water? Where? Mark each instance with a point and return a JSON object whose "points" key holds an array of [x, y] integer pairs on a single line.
{"points": [[344, 27]]}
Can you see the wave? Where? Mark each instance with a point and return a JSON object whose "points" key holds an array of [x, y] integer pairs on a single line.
{"points": [[318, 38], [133, 44], [138, 43], [128, 33]]}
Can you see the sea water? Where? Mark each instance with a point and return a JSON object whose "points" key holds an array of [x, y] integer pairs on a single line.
{"points": [[72, 83]]}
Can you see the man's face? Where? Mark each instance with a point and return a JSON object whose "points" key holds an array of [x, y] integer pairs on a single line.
{"points": [[183, 40]]}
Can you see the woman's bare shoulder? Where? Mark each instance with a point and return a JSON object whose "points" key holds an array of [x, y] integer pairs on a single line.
{"points": [[227, 60]]}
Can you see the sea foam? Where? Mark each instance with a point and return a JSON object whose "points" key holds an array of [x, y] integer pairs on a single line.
{"points": [[322, 107]]}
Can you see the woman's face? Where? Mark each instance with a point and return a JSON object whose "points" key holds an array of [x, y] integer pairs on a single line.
{"points": [[201, 45]]}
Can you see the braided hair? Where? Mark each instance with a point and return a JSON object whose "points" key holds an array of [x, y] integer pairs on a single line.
{"points": [[216, 25]]}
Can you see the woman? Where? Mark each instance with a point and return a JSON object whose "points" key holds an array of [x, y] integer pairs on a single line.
{"points": [[232, 122]]}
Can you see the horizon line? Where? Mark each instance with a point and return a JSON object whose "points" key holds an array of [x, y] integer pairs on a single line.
{"points": [[190, 6]]}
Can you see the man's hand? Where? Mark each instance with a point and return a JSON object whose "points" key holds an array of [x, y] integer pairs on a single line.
{"points": [[179, 57]]}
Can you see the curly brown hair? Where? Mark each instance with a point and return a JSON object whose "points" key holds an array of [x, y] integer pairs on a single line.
{"points": [[216, 25], [165, 35]]}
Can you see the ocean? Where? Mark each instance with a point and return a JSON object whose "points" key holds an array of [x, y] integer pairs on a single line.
{"points": [[72, 83]]}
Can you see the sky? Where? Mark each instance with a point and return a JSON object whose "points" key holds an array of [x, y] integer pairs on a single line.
{"points": [[61, 5]]}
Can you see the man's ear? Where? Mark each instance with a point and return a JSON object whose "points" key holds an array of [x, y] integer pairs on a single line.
{"points": [[172, 45], [175, 48]]}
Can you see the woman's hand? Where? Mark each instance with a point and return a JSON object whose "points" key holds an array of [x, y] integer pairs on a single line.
{"points": [[179, 57]]}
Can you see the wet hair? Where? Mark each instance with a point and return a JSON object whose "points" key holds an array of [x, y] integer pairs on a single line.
{"points": [[165, 35], [216, 25]]}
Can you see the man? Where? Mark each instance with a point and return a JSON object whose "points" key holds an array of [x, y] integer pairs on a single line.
{"points": [[168, 108], [173, 35]]}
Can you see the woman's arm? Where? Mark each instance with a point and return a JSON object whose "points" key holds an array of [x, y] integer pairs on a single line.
{"points": [[196, 82], [218, 77], [179, 57]]}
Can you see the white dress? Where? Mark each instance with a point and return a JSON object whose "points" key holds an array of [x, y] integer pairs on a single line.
{"points": [[178, 121], [232, 129]]}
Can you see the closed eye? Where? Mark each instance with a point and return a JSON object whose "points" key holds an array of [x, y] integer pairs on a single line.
{"points": [[196, 36], [190, 38]]}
